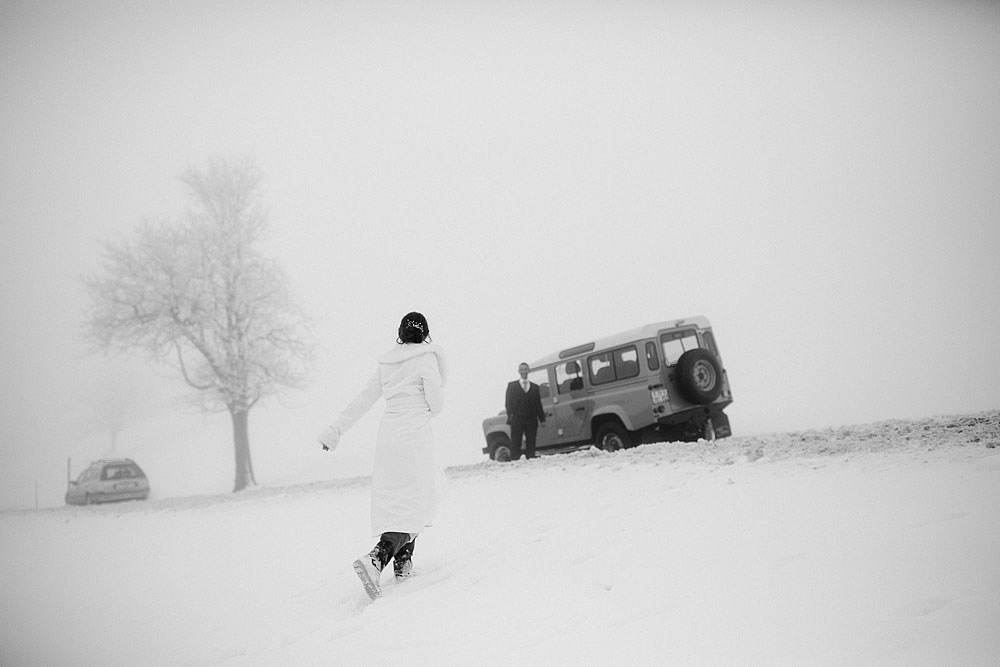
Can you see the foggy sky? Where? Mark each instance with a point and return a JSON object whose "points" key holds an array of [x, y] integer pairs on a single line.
{"points": [[818, 179]]}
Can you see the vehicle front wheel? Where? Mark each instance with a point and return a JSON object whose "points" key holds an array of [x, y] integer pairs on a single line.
{"points": [[611, 437], [501, 451]]}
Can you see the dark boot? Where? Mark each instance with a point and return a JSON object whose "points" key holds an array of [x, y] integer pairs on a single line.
{"points": [[369, 567], [402, 563]]}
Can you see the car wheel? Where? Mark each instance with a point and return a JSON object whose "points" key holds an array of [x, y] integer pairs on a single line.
{"points": [[501, 450], [611, 437], [699, 376]]}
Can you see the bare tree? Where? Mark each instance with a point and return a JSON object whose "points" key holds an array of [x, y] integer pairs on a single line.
{"points": [[200, 294], [113, 403], [115, 393]]}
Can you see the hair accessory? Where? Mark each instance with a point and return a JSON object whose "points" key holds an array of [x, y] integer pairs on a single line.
{"points": [[416, 325]]}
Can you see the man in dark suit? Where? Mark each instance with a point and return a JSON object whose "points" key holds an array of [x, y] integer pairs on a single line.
{"points": [[524, 413]]}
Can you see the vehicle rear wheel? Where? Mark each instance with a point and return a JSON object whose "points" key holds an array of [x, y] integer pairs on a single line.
{"points": [[611, 437], [699, 376], [501, 450]]}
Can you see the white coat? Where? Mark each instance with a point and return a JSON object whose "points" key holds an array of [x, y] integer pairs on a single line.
{"points": [[407, 482]]}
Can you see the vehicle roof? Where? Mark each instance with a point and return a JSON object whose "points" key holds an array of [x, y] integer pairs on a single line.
{"points": [[101, 462], [623, 337]]}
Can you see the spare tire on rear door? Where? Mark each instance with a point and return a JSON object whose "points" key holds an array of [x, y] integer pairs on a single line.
{"points": [[699, 376]]}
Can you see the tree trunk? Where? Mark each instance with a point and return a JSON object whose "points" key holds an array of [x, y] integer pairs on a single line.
{"points": [[241, 441]]}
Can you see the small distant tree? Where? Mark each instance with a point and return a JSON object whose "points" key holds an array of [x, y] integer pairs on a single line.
{"points": [[199, 294], [116, 394], [113, 403]]}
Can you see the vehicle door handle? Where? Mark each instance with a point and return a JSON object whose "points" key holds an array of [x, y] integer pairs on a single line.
{"points": [[580, 408]]}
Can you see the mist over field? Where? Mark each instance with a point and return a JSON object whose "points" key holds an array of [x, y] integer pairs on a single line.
{"points": [[818, 179]]}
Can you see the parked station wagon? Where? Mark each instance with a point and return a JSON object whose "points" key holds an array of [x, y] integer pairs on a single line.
{"points": [[108, 480], [661, 382]]}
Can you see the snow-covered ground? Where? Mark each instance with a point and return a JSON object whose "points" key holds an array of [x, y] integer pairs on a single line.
{"points": [[875, 544]]}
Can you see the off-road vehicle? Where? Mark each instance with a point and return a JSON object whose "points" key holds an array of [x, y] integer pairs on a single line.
{"points": [[660, 382]]}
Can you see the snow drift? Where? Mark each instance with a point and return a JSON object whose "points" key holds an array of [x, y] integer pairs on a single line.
{"points": [[874, 544]]}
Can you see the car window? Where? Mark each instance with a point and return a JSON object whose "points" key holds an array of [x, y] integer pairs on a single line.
{"points": [[601, 369], [626, 361], [540, 376], [652, 358], [709, 342], [613, 365], [569, 377], [675, 344], [121, 471]]}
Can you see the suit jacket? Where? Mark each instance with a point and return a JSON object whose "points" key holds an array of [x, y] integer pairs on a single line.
{"points": [[524, 406]]}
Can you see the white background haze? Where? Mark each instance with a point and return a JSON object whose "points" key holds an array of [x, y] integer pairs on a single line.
{"points": [[819, 179]]}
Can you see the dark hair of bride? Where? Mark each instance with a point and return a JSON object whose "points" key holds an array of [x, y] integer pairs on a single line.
{"points": [[413, 329]]}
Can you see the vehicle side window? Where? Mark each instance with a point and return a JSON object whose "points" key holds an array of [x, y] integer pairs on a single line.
{"points": [[652, 358], [626, 362], [601, 368], [614, 365], [569, 377], [540, 376], [677, 343]]}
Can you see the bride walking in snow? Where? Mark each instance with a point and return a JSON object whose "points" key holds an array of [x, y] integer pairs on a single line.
{"points": [[406, 481]]}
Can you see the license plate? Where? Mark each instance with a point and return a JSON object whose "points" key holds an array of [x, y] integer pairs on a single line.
{"points": [[660, 395]]}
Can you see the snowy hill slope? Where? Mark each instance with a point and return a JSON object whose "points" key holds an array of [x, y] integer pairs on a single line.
{"points": [[873, 544]]}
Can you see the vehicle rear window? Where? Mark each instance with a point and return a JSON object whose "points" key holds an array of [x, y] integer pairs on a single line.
{"points": [[121, 471], [710, 342], [676, 343]]}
